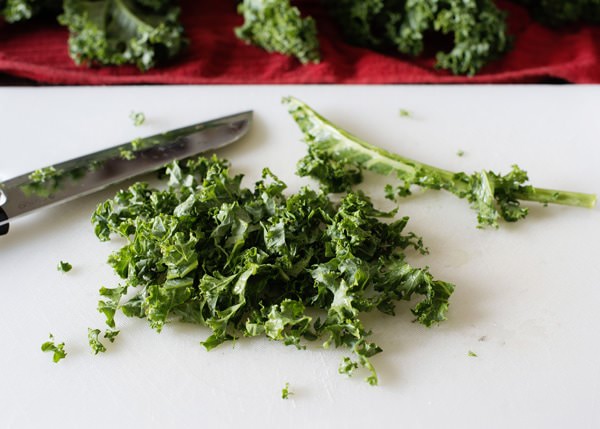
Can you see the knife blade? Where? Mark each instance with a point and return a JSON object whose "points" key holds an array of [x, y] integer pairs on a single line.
{"points": [[90, 173]]}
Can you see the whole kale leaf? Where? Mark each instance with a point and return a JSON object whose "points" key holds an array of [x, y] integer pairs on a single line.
{"points": [[277, 26], [140, 32], [477, 28], [561, 12]]}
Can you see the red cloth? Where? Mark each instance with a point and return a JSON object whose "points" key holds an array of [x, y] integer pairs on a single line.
{"points": [[38, 50]]}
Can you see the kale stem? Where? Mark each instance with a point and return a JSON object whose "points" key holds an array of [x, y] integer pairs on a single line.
{"points": [[567, 198]]}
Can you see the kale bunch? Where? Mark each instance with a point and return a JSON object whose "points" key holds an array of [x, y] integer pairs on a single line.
{"points": [[471, 33], [477, 28], [257, 262], [140, 32]]}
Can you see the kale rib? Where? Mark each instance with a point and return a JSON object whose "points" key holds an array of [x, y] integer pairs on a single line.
{"points": [[337, 158]]}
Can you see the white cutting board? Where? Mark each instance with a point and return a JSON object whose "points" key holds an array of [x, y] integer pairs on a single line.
{"points": [[526, 299]]}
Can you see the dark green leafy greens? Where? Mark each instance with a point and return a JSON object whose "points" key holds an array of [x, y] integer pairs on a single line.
{"points": [[277, 26], [561, 12], [477, 28], [117, 32], [337, 159], [285, 392], [465, 35], [257, 262], [57, 350], [64, 267], [20, 10]]}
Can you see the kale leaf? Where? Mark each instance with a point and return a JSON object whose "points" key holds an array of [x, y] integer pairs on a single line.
{"points": [[336, 158], [277, 26], [104, 32], [562, 12], [477, 28], [21, 10], [258, 262]]}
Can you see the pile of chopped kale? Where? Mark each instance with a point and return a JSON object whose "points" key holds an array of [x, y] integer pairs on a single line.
{"points": [[259, 262]]}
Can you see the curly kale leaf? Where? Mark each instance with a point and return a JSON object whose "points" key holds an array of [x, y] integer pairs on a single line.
{"points": [[562, 12], [477, 28], [119, 32], [21, 10], [258, 262], [277, 26], [339, 157]]}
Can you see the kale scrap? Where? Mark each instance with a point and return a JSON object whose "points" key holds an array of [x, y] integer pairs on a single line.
{"points": [[104, 32], [337, 158], [258, 262], [277, 26], [57, 350]]}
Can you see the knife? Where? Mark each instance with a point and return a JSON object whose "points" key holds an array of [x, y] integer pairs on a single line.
{"points": [[90, 173]]}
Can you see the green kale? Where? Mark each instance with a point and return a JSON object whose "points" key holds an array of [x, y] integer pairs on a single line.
{"points": [[258, 262], [138, 118], [21, 10], [111, 334], [477, 28], [126, 154], [277, 26], [95, 344], [64, 267], [118, 32], [471, 354], [285, 392], [58, 350], [563, 12], [336, 158]]}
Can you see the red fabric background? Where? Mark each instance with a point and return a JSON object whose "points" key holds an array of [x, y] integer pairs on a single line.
{"points": [[38, 50]]}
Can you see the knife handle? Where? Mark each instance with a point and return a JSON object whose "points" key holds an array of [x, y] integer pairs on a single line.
{"points": [[3, 217]]}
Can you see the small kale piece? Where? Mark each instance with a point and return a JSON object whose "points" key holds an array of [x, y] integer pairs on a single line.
{"points": [[95, 344], [58, 350], [64, 267], [340, 158], [285, 392], [477, 28], [111, 334], [138, 118], [119, 32], [277, 26]]}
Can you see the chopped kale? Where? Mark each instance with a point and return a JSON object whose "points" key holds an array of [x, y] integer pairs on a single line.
{"points": [[64, 267], [258, 262], [95, 344], [138, 118], [58, 350]]}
